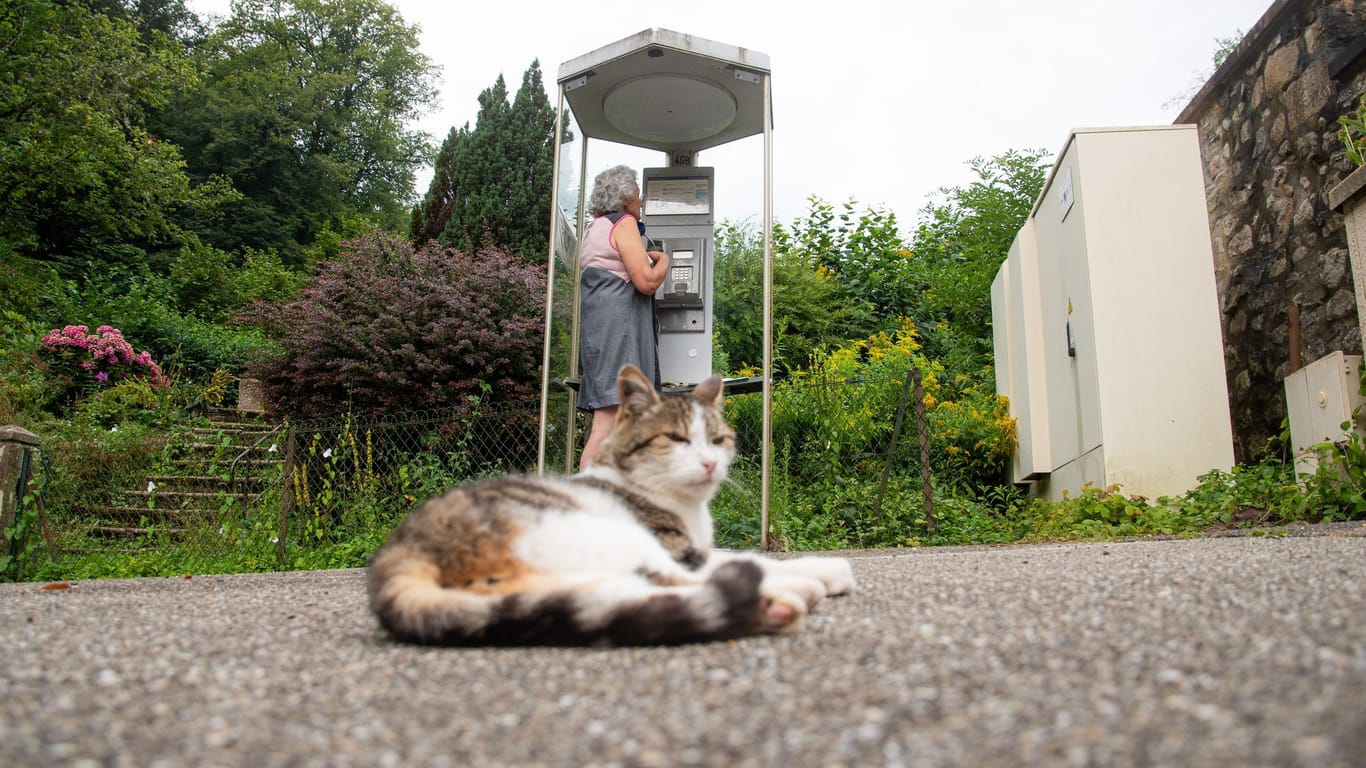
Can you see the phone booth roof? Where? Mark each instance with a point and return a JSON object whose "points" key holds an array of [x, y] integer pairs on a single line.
{"points": [[668, 91]]}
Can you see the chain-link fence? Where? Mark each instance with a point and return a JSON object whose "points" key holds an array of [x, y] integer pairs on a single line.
{"points": [[238, 494]]}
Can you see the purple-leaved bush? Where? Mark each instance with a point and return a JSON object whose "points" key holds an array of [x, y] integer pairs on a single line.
{"points": [[384, 327]]}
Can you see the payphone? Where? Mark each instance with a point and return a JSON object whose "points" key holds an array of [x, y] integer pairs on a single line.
{"points": [[678, 208]]}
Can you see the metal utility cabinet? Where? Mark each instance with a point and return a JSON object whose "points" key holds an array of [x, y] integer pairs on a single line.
{"points": [[1106, 321]]}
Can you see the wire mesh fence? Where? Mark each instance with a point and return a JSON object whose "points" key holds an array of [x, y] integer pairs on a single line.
{"points": [[236, 494]]}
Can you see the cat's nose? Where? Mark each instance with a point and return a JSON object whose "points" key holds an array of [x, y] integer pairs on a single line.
{"points": [[709, 465]]}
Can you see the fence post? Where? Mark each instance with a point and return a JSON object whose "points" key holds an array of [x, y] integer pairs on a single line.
{"points": [[16, 444], [286, 499], [923, 428], [896, 433]]}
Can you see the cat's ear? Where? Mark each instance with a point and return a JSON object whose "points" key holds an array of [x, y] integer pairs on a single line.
{"points": [[709, 391], [636, 391]]}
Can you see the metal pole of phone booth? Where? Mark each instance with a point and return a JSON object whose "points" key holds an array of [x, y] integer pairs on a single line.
{"points": [[766, 453], [550, 280], [571, 441]]}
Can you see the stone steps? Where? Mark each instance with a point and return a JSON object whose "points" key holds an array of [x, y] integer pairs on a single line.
{"points": [[197, 487]]}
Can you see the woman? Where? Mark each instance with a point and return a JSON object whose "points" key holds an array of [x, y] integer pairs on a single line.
{"points": [[617, 315]]}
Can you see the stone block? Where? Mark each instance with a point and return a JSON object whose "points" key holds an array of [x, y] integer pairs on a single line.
{"points": [[15, 445], [1282, 66], [250, 396]]}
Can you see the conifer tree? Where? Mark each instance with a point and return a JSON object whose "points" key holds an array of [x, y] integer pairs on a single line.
{"points": [[491, 183]]}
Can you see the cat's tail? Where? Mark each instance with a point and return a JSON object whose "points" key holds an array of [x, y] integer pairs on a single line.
{"points": [[415, 607]]}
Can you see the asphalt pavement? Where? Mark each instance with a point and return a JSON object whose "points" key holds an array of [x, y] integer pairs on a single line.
{"points": [[1245, 651]]}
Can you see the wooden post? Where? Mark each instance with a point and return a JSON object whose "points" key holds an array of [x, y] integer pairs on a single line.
{"points": [[923, 427]]}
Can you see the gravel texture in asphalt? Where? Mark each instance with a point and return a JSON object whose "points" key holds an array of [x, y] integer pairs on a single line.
{"points": [[1225, 651]]}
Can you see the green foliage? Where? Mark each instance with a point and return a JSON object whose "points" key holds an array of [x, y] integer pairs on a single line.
{"points": [[135, 401], [971, 434], [839, 484], [1104, 514], [1224, 47], [25, 391], [19, 544], [960, 245], [491, 184], [864, 255], [77, 162], [31, 290], [211, 285], [808, 312], [1266, 493], [190, 347], [1353, 134], [304, 106]]}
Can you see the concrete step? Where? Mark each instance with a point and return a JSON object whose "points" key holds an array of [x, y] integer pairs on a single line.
{"points": [[205, 500], [243, 482]]}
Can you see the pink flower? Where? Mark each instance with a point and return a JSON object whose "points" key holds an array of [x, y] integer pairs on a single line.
{"points": [[101, 377]]}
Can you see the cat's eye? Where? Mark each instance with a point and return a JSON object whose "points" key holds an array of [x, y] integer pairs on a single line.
{"points": [[720, 439], [677, 437]]}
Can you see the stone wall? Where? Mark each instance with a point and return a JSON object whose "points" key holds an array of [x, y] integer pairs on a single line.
{"points": [[1268, 131]]}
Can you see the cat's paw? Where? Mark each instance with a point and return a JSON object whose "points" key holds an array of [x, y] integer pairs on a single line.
{"points": [[833, 572], [779, 611], [811, 590]]}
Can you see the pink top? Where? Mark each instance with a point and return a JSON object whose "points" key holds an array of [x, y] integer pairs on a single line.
{"points": [[597, 250]]}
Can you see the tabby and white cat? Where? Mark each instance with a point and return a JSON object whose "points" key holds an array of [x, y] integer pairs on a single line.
{"points": [[620, 553]]}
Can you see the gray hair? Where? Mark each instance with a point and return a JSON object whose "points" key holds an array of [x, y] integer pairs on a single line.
{"points": [[611, 189]]}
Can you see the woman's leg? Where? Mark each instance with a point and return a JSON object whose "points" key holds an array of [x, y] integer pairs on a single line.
{"points": [[603, 420]]}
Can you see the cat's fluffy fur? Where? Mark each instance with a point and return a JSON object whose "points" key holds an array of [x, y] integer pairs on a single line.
{"points": [[620, 553]]}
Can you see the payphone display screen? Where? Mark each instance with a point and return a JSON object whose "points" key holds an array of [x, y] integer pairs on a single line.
{"points": [[678, 196]]}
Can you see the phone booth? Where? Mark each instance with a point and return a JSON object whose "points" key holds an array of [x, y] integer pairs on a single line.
{"points": [[677, 94]]}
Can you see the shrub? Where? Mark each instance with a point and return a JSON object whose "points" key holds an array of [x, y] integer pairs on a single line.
{"points": [[82, 361], [24, 388], [194, 348], [840, 413], [386, 327], [208, 283]]}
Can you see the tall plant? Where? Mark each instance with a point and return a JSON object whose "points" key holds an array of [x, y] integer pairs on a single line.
{"points": [[1353, 134]]}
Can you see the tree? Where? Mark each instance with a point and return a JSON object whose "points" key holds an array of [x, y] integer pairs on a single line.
{"points": [[305, 107], [491, 184], [167, 17], [866, 258], [387, 327], [962, 241], [807, 309], [77, 163]]}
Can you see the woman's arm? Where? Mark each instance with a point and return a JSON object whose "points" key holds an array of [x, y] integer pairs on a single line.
{"points": [[646, 277]]}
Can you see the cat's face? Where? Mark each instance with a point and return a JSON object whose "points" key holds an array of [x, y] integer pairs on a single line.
{"points": [[678, 442]]}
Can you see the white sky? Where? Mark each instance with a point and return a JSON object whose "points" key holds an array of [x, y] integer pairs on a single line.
{"points": [[883, 101]]}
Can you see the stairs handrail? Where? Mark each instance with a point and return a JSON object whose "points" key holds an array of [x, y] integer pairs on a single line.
{"points": [[232, 469]]}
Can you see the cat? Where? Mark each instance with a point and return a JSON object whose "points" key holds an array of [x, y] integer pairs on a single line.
{"points": [[619, 554]]}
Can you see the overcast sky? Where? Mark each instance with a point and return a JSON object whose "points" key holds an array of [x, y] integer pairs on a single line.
{"points": [[883, 102]]}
